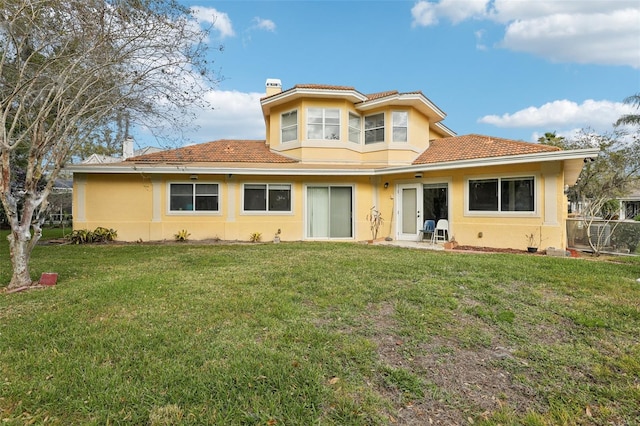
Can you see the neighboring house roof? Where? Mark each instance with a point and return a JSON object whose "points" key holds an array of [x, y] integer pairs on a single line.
{"points": [[220, 151], [100, 159], [633, 195], [107, 159], [470, 147]]}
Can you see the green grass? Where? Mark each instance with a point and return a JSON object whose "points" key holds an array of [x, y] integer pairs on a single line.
{"points": [[318, 333]]}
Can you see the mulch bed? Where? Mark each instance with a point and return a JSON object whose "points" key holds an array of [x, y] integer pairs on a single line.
{"points": [[496, 250]]}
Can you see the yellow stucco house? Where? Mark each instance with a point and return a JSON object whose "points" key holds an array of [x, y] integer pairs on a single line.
{"points": [[332, 153]]}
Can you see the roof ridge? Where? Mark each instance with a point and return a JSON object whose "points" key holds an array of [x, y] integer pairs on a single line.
{"points": [[383, 94]]}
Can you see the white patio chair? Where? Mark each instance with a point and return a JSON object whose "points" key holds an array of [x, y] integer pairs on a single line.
{"points": [[441, 232]]}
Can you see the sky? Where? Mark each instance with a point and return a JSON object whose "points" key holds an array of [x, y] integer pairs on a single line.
{"points": [[504, 68]]}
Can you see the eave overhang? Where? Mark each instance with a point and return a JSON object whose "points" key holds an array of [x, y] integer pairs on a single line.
{"points": [[573, 161], [447, 131], [415, 100], [350, 95]]}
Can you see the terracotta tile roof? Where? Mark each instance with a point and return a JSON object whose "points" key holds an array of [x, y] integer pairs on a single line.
{"points": [[220, 151], [322, 86], [379, 95], [469, 147]]}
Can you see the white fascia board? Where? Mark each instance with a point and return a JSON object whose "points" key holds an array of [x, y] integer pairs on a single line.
{"points": [[352, 95], [578, 154], [188, 169], [413, 99], [445, 129]]}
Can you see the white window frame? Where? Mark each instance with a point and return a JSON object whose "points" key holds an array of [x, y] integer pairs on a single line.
{"points": [[357, 130], [324, 124], [384, 129], [394, 127], [193, 212], [267, 211], [290, 127], [500, 178]]}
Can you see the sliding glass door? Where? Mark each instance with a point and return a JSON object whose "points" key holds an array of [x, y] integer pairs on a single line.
{"points": [[329, 212]]}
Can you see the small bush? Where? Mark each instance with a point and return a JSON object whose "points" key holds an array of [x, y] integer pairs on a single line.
{"points": [[627, 235], [99, 235], [80, 236], [255, 237], [182, 235], [103, 235]]}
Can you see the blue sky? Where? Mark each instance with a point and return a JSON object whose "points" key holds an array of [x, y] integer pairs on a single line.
{"points": [[505, 68]]}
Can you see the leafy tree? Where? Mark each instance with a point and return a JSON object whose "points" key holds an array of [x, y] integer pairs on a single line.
{"points": [[603, 180], [70, 70], [551, 138], [631, 119]]}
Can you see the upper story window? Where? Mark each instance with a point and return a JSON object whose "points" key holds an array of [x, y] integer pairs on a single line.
{"points": [[502, 195], [267, 197], [400, 121], [323, 123], [289, 126], [374, 128], [191, 197], [355, 128]]}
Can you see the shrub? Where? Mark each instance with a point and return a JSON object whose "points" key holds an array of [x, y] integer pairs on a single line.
{"points": [[103, 235], [627, 234], [80, 236], [99, 235], [255, 237], [182, 235]]}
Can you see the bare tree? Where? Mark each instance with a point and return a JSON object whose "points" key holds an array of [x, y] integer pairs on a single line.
{"points": [[68, 71]]}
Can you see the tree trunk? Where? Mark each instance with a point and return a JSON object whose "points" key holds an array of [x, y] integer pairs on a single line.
{"points": [[20, 247]]}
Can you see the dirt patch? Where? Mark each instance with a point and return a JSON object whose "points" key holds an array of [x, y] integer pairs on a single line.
{"points": [[459, 382]]}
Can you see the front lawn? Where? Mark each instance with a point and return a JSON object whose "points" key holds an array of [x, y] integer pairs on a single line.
{"points": [[319, 333]]}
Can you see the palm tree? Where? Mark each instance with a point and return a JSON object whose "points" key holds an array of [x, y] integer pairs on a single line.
{"points": [[631, 119]]}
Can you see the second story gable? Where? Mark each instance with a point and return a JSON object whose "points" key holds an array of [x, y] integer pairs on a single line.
{"points": [[338, 124]]}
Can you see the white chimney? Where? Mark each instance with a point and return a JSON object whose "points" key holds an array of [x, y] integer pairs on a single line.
{"points": [[274, 86], [127, 148]]}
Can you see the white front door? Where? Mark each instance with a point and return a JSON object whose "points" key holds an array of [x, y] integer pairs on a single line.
{"points": [[408, 211]]}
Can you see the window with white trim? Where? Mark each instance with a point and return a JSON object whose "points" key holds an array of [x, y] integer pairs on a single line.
{"points": [[190, 197], [355, 129], [323, 123], [289, 126], [512, 194], [374, 128], [272, 197], [400, 120]]}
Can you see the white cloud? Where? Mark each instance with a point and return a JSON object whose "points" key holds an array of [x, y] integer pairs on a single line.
{"points": [[235, 115], [601, 38], [219, 20], [595, 32], [563, 115], [426, 13], [264, 24], [480, 45], [506, 11]]}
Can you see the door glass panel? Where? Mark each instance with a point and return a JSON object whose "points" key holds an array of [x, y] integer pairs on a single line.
{"points": [[318, 212], [340, 216], [435, 203], [409, 211]]}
